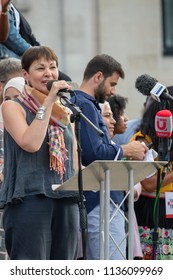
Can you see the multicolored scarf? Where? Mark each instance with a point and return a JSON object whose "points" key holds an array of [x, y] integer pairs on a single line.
{"points": [[59, 120]]}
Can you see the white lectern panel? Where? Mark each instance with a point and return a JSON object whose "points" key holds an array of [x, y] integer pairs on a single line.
{"points": [[94, 173]]}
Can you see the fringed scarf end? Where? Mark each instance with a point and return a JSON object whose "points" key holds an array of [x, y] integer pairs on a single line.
{"points": [[57, 150]]}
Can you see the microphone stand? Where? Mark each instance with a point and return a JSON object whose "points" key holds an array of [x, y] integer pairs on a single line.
{"points": [[155, 218], [76, 117], [162, 157]]}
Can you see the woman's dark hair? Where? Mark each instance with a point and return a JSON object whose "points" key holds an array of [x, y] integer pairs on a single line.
{"points": [[118, 105], [36, 53], [147, 125]]}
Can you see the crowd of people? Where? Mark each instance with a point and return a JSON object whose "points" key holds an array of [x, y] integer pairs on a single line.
{"points": [[40, 150]]}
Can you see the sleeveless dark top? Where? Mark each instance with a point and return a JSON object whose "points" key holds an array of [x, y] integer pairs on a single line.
{"points": [[28, 173]]}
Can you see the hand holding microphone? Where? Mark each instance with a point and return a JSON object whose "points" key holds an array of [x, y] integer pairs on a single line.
{"points": [[59, 88]]}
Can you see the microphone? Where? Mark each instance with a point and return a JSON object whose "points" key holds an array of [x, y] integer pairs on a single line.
{"points": [[163, 123], [163, 128], [65, 92], [148, 85]]}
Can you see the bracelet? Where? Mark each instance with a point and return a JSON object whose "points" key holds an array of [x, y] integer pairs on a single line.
{"points": [[4, 13], [41, 113]]}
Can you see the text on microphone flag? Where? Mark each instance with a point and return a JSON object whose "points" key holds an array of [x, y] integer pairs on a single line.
{"points": [[163, 124]]}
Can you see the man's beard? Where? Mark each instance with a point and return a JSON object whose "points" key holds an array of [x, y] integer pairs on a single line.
{"points": [[100, 93]]}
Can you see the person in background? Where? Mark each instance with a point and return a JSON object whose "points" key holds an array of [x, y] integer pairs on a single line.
{"points": [[108, 117], [145, 207], [13, 88], [20, 36], [16, 84], [4, 22], [100, 78], [9, 68], [117, 242], [38, 151], [118, 106], [132, 125]]}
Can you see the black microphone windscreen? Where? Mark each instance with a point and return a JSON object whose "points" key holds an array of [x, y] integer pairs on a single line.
{"points": [[74, 86], [65, 92], [145, 84], [49, 84]]}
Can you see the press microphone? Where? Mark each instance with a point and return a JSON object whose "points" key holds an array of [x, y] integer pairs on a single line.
{"points": [[65, 92], [163, 128], [148, 85]]}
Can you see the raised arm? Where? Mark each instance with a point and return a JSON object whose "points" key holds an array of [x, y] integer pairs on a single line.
{"points": [[4, 21]]}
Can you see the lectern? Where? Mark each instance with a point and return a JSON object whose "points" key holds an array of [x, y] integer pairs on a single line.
{"points": [[112, 175]]}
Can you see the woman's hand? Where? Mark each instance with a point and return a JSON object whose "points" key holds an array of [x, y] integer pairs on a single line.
{"points": [[56, 87]]}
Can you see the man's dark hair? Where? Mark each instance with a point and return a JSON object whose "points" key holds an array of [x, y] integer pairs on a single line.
{"points": [[105, 64]]}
